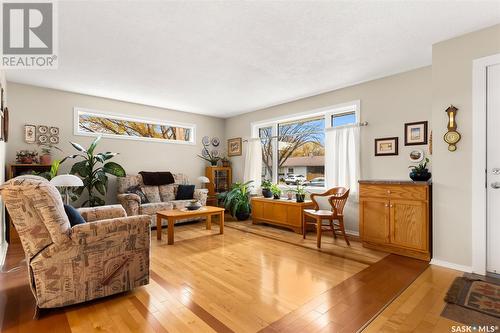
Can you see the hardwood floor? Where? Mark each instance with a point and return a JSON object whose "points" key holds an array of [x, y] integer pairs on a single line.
{"points": [[236, 282], [419, 307]]}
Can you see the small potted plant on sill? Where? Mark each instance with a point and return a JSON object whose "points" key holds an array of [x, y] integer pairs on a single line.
{"points": [[276, 191], [208, 156], [300, 192], [237, 200], [266, 188], [46, 155], [27, 157], [420, 172]]}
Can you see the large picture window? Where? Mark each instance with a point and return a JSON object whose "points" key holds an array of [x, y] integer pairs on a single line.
{"points": [[293, 150], [94, 124]]}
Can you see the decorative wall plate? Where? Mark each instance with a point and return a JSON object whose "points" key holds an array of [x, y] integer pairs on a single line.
{"points": [[54, 140], [54, 131], [205, 140], [43, 138], [204, 153], [215, 141], [215, 153], [416, 155], [42, 129]]}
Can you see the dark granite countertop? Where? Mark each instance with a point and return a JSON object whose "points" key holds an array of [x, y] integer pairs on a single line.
{"points": [[393, 182]]}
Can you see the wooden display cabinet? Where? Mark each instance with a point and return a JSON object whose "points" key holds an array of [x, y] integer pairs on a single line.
{"points": [[220, 179]]}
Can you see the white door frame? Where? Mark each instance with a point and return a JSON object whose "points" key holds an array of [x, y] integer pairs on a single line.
{"points": [[478, 217]]}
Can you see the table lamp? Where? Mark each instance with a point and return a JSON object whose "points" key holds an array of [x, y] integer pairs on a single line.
{"points": [[66, 181], [203, 180]]}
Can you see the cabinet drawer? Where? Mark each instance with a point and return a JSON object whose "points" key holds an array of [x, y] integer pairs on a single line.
{"points": [[406, 192]]}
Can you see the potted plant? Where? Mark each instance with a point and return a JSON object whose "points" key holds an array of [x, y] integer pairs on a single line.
{"points": [[94, 170], [46, 155], [237, 200], [420, 172], [26, 157], [208, 156], [225, 161], [300, 192], [276, 191], [266, 188]]}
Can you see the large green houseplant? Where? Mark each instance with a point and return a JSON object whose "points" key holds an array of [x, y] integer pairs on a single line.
{"points": [[237, 200], [94, 170]]}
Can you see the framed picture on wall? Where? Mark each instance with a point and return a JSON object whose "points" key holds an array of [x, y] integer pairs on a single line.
{"points": [[29, 133], [234, 147], [416, 133], [386, 146]]}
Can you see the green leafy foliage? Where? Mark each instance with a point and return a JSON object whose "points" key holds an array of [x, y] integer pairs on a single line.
{"points": [[266, 184], [237, 200], [94, 173], [53, 170], [275, 190], [421, 167]]}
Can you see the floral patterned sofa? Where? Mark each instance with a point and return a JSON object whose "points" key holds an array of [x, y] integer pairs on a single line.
{"points": [[107, 255], [160, 197]]}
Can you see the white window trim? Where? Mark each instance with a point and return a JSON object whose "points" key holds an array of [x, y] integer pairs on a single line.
{"points": [[77, 111], [326, 112]]}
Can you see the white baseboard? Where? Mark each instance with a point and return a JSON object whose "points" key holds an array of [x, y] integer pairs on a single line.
{"points": [[3, 252], [451, 265], [352, 233]]}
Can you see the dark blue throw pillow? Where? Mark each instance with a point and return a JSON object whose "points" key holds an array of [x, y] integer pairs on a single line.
{"points": [[74, 216], [185, 192]]}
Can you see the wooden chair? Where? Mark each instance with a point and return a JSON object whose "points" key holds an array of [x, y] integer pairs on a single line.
{"points": [[337, 199]]}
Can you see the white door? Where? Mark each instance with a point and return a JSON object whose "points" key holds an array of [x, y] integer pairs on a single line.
{"points": [[493, 169]]}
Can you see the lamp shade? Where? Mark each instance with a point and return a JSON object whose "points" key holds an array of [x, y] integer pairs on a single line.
{"points": [[66, 181], [203, 180]]}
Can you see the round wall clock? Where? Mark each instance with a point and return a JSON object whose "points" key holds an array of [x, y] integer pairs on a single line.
{"points": [[215, 141], [451, 138]]}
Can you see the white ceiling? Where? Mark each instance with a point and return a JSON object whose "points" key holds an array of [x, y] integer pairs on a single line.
{"points": [[226, 58]]}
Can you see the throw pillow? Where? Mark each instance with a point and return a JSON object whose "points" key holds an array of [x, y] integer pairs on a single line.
{"points": [[152, 193], [185, 192], [157, 178], [167, 192], [137, 190], [74, 216]]}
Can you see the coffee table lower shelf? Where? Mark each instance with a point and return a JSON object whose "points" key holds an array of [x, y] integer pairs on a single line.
{"points": [[177, 214]]}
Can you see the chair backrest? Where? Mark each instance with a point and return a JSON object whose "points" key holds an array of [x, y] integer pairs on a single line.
{"points": [[124, 183], [337, 197], [37, 212]]}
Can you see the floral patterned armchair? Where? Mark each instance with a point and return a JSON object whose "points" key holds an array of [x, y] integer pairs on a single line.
{"points": [[107, 255]]}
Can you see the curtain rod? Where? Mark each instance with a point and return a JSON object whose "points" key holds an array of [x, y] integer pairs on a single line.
{"points": [[364, 123]]}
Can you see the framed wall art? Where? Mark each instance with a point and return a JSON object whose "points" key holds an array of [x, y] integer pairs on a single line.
{"points": [[234, 147], [416, 133], [386, 146], [29, 133]]}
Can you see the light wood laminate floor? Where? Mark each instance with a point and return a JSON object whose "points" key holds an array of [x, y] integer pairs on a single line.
{"points": [[236, 282]]}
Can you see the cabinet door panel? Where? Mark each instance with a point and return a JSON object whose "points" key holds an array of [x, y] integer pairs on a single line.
{"points": [[294, 215], [257, 209], [375, 220], [409, 224]]}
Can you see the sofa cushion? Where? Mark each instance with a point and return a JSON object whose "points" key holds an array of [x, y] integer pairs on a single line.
{"points": [[167, 192], [137, 190], [184, 192], [73, 215], [124, 183], [157, 178], [152, 208], [152, 193]]}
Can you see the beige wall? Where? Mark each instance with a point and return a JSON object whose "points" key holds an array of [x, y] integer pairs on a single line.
{"points": [[452, 84], [386, 104], [41, 106]]}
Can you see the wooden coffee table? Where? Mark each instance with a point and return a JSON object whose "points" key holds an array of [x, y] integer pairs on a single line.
{"points": [[178, 214]]}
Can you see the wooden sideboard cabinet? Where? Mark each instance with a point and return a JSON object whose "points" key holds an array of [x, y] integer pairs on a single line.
{"points": [[282, 212], [396, 216]]}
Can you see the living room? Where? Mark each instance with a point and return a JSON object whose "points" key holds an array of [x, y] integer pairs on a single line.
{"points": [[319, 167]]}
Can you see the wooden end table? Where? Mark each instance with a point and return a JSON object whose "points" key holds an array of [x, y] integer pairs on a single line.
{"points": [[178, 214]]}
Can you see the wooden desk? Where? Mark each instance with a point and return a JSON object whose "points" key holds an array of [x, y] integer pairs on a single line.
{"points": [[282, 212], [179, 214]]}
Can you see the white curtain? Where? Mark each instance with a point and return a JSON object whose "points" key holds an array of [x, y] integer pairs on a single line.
{"points": [[253, 163], [342, 158]]}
